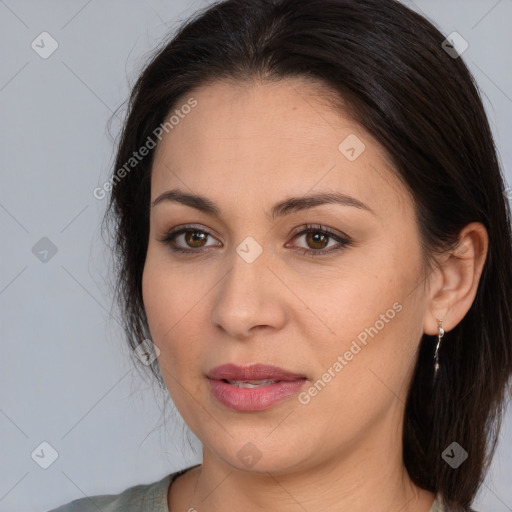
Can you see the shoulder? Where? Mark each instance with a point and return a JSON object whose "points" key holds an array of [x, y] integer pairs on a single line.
{"points": [[139, 498]]}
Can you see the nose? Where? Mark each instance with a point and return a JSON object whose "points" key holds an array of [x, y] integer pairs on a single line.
{"points": [[250, 298]]}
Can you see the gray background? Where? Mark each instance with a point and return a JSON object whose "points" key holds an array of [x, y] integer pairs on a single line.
{"points": [[66, 376]]}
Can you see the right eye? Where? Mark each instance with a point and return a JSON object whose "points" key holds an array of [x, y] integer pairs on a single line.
{"points": [[190, 236]]}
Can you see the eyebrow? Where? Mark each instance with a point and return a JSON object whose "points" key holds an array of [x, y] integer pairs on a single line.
{"points": [[285, 207]]}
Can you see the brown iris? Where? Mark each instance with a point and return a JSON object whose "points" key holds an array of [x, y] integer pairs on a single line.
{"points": [[317, 238], [192, 237]]}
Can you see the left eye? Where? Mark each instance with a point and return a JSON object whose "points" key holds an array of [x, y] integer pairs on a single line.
{"points": [[317, 238]]}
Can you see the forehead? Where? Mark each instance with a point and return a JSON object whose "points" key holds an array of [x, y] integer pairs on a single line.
{"points": [[266, 139]]}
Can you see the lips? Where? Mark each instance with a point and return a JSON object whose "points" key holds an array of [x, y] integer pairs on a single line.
{"points": [[253, 388], [252, 373]]}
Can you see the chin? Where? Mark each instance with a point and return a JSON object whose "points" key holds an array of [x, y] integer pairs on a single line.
{"points": [[262, 455]]}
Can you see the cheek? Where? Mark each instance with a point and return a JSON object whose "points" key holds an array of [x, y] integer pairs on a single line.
{"points": [[172, 305], [162, 307], [166, 293], [374, 326], [378, 359], [154, 297], [359, 303], [362, 376]]}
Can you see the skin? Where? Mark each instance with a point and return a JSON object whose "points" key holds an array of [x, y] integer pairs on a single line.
{"points": [[247, 146]]}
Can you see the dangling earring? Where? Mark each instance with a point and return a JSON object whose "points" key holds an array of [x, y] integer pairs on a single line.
{"points": [[440, 334]]}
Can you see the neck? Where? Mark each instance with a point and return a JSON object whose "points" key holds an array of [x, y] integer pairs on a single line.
{"points": [[369, 477]]}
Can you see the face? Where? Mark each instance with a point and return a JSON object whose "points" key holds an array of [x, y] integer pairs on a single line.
{"points": [[330, 292]]}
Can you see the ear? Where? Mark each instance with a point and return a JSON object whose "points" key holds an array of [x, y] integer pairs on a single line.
{"points": [[454, 281]]}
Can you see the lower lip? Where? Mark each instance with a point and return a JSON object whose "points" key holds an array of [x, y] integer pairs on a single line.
{"points": [[254, 399]]}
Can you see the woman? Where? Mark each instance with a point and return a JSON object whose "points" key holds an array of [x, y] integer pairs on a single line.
{"points": [[311, 227]]}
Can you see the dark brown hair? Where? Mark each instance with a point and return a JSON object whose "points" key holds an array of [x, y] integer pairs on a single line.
{"points": [[387, 62]]}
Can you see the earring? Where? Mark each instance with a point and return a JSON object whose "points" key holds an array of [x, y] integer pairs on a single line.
{"points": [[440, 334]]}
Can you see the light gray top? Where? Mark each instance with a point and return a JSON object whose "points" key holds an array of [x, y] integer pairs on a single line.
{"points": [[148, 498], [140, 498]]}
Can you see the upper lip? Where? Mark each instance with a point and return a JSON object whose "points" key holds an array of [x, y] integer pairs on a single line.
{"points": [[252, 372]]}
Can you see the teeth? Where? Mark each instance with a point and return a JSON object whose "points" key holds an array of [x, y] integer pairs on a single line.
{"points": [[251, 383]]}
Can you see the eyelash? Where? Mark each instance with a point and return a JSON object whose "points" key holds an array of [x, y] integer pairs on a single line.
{"points": [[309, 228]]}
